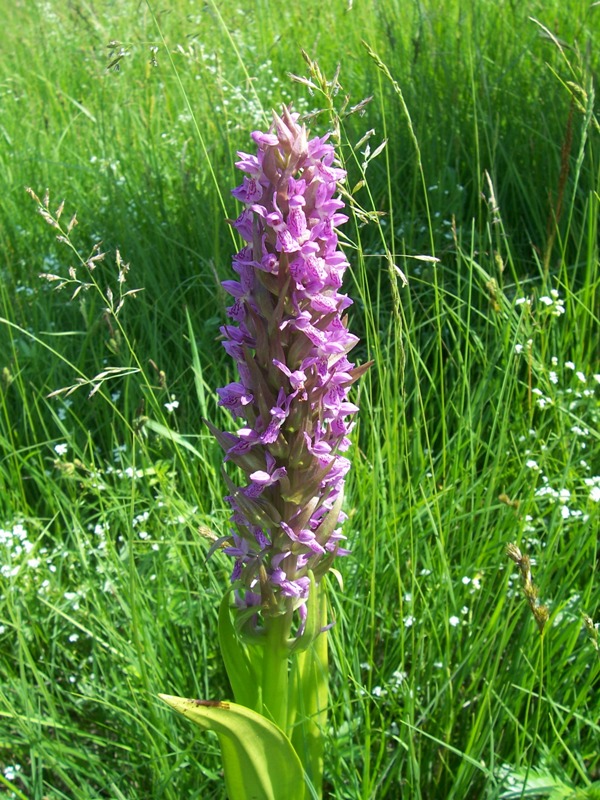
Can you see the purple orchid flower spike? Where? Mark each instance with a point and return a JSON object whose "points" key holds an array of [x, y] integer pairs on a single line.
{"points": [[290, 342]]}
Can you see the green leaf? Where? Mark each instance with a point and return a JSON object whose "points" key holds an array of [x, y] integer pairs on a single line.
{"points": [[196, 368], [591, 792], [167, 433], [243, 666], [315, 618], [309, 689], [258, 758]]}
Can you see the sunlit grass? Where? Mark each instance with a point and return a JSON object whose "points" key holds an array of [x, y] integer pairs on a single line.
{"points": [[479, 423]]}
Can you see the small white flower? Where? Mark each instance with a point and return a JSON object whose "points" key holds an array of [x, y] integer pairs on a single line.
{"points": [[595, 494], [466, 580], [565, 512], [553, 377], [74, 637], [454, 621], [581, 376], [409, 621], [399, 676], [10, 772], [19, 531], [579, 431], [120, 448], [569, 365], [61, 449], [140, 518], [171, 406], [532, 464]]}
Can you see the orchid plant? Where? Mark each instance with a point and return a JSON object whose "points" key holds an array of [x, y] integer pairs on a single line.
{"points": [[289, 338]]}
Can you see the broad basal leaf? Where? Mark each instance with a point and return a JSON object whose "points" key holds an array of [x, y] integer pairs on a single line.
{"points": [[259, 760]]}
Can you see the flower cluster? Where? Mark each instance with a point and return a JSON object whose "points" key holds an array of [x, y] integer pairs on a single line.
{"points": [[290, 343]]}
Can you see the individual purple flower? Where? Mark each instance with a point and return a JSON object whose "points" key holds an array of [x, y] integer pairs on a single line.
{"points": [[290, 343]]}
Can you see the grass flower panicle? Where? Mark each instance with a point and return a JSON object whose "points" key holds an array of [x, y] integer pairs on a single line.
{"points": [[290, 342]]}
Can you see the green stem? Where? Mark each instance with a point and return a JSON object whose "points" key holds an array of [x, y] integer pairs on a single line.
{"points": [[275, 671], [309, 698]]}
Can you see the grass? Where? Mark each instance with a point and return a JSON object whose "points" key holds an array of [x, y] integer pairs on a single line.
{"points": [[479, 423]]}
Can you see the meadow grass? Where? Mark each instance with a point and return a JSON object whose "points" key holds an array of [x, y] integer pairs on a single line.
{"points": [[479, 423]]}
